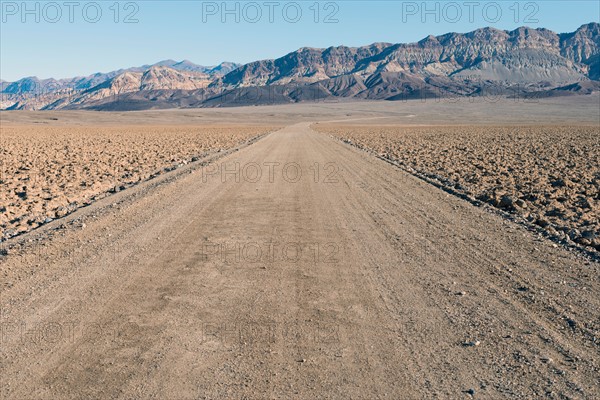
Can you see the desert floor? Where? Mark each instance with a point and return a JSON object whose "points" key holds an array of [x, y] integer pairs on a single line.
{"points": [[306, 251]]}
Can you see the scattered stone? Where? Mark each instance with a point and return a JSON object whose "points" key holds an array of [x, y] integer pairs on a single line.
{"points": [[588, 235], [542, 222], [510, 168], [520, 203], [61, 212], [558, 183], [62, 178], [506, 202]]}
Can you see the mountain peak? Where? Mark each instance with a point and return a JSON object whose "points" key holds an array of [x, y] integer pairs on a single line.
{"points": [[429, 39], [590, 26], [185, 62], [164, 62], [447, 63]]}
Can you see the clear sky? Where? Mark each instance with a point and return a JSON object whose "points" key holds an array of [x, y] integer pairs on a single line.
{"points": [[66, 38]]}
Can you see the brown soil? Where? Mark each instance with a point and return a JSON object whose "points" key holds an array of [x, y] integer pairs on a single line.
{"points": [[47, 172], [389, 288], [548, 175], [355, 281]]}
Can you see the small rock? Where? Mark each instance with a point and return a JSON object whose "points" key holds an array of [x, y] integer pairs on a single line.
{"points": [[588, 235], [506, 202], [558, 183], [61, 212], [574, 234], [520, 203], [542, 222], [583, 241]]}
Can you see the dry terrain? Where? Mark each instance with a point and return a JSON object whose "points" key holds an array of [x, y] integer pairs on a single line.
{"points": [[298, 266], [48, 171], [549, 175]]}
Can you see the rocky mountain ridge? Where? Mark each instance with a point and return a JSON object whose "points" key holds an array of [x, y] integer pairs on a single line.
{"points": [[524, 61]]}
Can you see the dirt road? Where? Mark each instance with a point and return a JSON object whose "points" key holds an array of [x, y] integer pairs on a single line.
{"points": [[297, 267]]}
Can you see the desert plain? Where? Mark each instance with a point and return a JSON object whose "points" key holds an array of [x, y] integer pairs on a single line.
{"points": [[47, 172], [360, 250], [549, 175]]}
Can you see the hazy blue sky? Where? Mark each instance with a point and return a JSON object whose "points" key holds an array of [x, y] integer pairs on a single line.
{"points": [[71, 39]]}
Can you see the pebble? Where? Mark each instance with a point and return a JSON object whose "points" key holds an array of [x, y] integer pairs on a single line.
{"points": [[588, 235]]}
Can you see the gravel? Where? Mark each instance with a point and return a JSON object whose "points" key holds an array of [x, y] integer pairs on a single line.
{"points": [[548, 175], [48, 172]]}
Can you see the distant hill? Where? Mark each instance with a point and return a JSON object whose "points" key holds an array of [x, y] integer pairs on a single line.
{"points": [[524, 61]]}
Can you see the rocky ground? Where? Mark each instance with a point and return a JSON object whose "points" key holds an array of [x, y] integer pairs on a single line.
{"points": [[184, 288], [47, 172], [549, 175]]}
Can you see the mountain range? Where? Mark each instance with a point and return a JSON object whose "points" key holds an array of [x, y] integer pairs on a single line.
{"points": [[522, 62]]}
